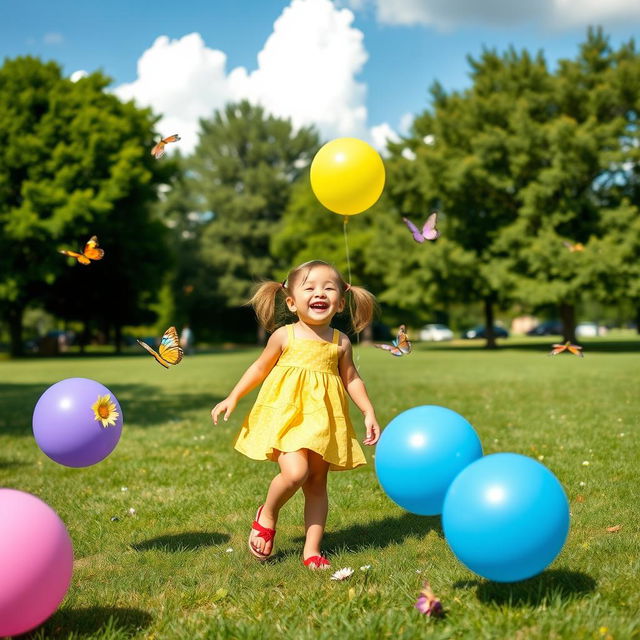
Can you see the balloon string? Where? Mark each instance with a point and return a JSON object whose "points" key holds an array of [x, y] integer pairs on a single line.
{"points": [[346, 250]]}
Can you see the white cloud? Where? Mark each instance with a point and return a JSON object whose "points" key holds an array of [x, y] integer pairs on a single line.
{"points": [[381, 134], [53, 38], [449, 14], [183, 80], [306, 71], [78, 75]]}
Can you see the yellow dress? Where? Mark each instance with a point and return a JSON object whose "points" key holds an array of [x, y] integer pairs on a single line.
{"points": [[303, 405]]}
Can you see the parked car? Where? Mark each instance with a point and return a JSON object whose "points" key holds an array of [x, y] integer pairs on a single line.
{"points": [[589, 330], [480, 332], [549, 328], [436, 332]]}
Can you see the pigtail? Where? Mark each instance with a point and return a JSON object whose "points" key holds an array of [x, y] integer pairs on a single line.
{"points": [[363, 307], [263, 302]]}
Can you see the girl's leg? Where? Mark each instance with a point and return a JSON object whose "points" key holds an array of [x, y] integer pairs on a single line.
{"points": [[316, 504], [294, 469]]}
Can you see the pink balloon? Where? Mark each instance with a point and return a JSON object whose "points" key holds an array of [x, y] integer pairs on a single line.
{"points": [[36, 561]]}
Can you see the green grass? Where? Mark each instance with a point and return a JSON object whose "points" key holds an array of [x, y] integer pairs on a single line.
{"points": [[165, 572]]}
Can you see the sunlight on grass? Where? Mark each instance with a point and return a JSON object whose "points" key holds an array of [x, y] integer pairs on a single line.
{"points": [[179, 568]]}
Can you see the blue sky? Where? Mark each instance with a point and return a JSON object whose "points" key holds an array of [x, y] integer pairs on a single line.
{"points": [[377, 57]]}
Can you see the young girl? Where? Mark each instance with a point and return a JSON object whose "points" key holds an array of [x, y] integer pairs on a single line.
{"points": [[301, 416]]}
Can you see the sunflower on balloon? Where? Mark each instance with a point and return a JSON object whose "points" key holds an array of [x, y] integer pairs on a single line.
{"points": [[104, 410]]}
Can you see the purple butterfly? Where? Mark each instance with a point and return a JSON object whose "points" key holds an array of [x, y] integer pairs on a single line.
{"points": [[428, 603], [429, 231]]}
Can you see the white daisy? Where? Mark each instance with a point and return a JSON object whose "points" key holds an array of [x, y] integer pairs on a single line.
{"points": [[342, 574]]}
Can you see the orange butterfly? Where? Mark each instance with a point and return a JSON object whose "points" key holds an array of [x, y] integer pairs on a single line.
{"points": [[90, 252], [578, 246], [158, 150], [400, 346], [567, 346], [169, 351]]}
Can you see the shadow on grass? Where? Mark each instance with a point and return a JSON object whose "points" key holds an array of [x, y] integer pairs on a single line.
{"points": [[11, 464], [84, 622], [188, 541], [142, 405], [549, 585], [380, 533]]}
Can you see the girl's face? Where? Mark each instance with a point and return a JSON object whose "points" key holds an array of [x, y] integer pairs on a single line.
{"points": [[316, 298]]}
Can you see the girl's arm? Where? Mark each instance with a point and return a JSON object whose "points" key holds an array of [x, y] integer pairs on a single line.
{"points": [[354, 385], [253, 376]]}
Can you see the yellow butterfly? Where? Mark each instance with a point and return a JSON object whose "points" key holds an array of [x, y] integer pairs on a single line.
{"points": [[567, 346], [90, 252], [573, 247], [169, 351], [158, 150]]}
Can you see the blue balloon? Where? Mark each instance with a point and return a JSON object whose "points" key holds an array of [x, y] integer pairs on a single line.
{"points": [[506, 517], [420, 452]]}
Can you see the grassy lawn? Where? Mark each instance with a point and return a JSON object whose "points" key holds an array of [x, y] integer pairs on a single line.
{"points": [[179, 567]]}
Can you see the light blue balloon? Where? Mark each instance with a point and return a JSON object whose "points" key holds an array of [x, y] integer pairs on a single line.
{"points": [[420, 452], [506, 517]]}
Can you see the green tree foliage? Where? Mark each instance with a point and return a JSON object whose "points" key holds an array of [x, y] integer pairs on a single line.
{"points": [[522, 162], [468, 156], [75, 162], [580, 194], [242, 174]]}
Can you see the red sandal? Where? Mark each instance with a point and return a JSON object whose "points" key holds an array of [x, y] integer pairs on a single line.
{"points": [[263, 532], [318, 562]]}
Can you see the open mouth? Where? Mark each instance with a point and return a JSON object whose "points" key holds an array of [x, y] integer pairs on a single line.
{"points": [[319, 306]]}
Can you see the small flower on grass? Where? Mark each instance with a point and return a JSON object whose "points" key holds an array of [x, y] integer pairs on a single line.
{"points": [[365, 567], [585, 463], [583, 484], [427, 602], [105, 411], [342, 574], [124, 488], [230, 550], [132, 511]]}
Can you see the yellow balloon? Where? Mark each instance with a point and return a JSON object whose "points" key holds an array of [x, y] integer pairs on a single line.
{"points": [[347, 176]]}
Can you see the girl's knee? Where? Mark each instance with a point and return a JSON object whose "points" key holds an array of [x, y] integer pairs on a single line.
{"points": [[296, 476], [315, 484]]}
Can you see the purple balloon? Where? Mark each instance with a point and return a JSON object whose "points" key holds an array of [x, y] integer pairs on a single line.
{"points": [[65, 425]]}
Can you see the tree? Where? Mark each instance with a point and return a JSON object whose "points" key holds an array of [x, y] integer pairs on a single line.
{"points": [[581, 193], [242, 174], [469, 158], [74, 162]]}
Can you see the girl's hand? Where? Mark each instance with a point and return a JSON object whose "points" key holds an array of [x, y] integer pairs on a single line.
{"points": [[227, 405], [373, 429]]}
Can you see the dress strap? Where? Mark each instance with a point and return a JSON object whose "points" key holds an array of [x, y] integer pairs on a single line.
{"points": [[336, 336], [290, 334]]}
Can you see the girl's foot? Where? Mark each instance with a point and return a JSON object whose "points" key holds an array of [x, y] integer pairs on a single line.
{"points": [[261, 536], [316, 561]]}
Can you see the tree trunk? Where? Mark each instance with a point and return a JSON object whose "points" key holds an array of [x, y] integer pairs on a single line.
{"points": [[118, 337], [638, 320], [261, 335], [367, 334], [489, 320], [14, 318], [568, 317]]}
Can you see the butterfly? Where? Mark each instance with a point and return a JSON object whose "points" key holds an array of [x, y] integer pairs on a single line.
{"points": [[429, 231], [158, 150], [567, 346], [578, 246], [427, 602], [400, 346], [169, 351], [89, 253]]}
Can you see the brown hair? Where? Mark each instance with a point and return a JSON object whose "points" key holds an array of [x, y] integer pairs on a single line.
{"points": [[362, 307]]}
